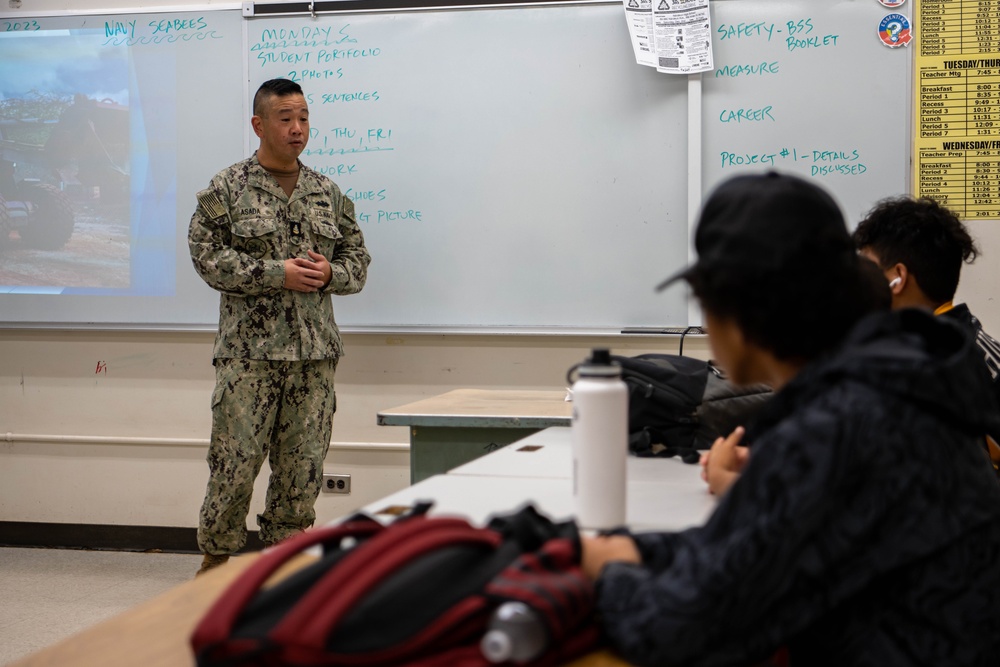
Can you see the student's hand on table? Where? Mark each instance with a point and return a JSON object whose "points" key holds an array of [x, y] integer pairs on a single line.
{"points": [[596, 552], [723, 463]]}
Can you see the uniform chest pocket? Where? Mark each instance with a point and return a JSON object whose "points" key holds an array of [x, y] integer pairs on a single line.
{"points": [[326, 233], [257, 237], [325, 226], [251, 227]]}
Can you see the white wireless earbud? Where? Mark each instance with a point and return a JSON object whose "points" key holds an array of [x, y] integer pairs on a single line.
{"points": [[894, 282]]}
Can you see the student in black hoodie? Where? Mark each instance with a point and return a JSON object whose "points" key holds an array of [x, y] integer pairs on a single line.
{"points": [[864, 527], [920, 246]]}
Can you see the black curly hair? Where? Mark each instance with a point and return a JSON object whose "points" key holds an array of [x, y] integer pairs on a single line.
{"points": [[928, 238]]}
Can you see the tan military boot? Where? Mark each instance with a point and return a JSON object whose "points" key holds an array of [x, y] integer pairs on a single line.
{"points": [[211, 561]]}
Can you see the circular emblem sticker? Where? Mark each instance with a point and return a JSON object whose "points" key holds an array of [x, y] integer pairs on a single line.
{"points": [[256, 248], [892, 3], [894, 30]]}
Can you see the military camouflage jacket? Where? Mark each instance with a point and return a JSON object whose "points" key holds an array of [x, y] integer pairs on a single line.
{"points": [[243, 230]]}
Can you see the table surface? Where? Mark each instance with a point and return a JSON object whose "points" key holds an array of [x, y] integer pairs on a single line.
{"points": [[548, 454], [484, 408], [662, 494]]}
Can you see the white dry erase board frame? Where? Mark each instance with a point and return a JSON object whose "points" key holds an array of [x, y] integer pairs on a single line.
{"points": [[515, 169]]}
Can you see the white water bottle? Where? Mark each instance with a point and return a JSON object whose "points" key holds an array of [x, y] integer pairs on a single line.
{"points": [[516, 633], [600, 443]]}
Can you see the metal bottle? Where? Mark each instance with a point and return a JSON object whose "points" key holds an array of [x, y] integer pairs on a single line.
{"points": [[600, 442], [516, 633]]}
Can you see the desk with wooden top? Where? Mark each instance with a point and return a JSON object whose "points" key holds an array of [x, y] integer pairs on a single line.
{"points": [[662, 494], [464, 424]]}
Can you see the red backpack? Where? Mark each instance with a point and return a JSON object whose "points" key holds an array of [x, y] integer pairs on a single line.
{"points": [[417, 592]]}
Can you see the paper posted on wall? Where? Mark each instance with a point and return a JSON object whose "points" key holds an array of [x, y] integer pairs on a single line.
{"points": [[682, 36], [639, 15]]}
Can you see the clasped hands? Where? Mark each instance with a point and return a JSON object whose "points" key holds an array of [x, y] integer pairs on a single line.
{"points": [[307, 275]]}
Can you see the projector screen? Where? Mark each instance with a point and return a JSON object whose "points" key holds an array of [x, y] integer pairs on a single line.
{"points": [[108, 125]]}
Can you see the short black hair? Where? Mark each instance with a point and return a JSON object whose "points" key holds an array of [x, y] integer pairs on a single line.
{"points": [[799, 315], [273, 88], [775, 257], [923, 235]]}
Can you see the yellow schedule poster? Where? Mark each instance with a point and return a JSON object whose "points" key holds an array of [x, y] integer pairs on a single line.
{"points": [[957, 90]]}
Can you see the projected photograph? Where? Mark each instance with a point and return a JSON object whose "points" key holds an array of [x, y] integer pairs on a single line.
{"points": [[64, 162]]}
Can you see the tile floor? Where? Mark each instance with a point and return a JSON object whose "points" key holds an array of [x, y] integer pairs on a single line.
{"points": [[47, 595]]}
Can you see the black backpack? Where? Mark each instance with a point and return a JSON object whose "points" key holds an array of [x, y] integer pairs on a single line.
{"points": [[679, 405], [416, 592]]}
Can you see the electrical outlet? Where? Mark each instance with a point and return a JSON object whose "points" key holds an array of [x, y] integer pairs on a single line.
{"points": [[336, 483]]}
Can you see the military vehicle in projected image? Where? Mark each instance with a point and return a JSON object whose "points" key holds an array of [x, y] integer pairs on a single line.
{"points": [[54, 152], [40, 213]]}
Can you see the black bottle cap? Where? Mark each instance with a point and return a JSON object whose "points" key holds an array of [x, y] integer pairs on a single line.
{"points": [[600, 356]]}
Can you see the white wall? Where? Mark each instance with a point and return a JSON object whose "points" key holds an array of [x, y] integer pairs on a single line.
{"points": [[980, 281], [135, 409]]}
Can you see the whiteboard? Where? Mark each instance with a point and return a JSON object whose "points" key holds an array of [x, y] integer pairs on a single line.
{"points": [[808, 88], [514, 168], [510, 167]]}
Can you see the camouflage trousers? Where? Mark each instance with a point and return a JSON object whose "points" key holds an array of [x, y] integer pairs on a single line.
{"points": [[281, 410]]}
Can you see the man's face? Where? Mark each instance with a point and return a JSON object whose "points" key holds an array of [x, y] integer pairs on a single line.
{"points": [[868, 253], [729, 349], [283, 129]]}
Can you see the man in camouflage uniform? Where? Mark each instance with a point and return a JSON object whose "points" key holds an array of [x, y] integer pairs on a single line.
{"points": [[276, 239]]}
